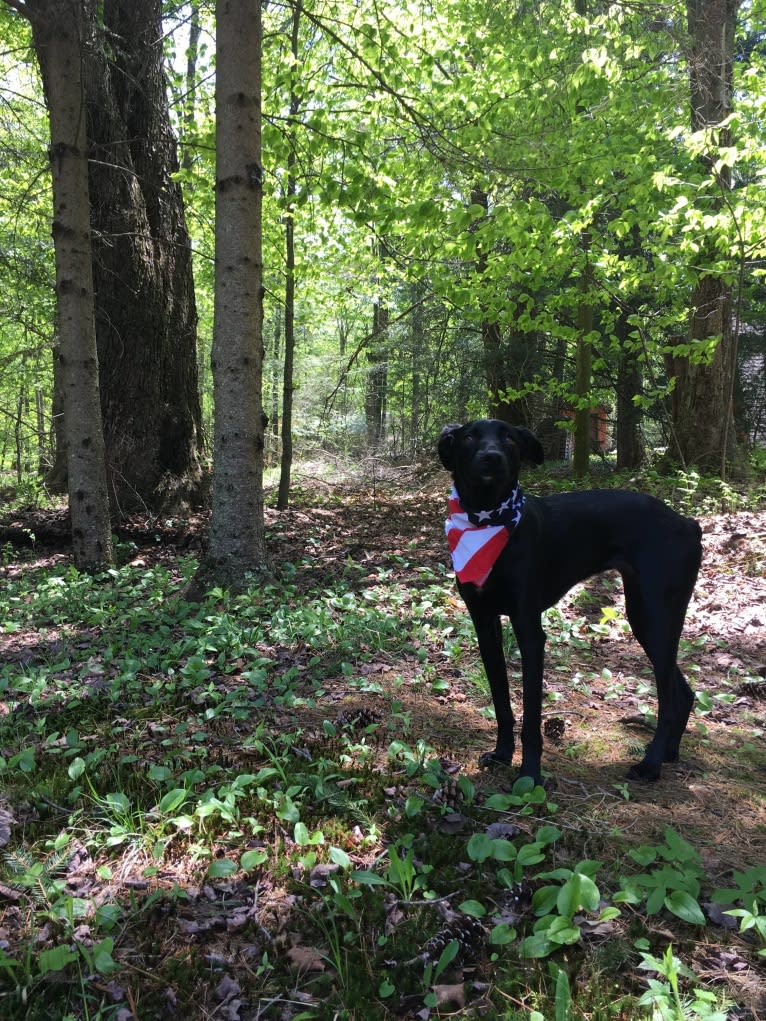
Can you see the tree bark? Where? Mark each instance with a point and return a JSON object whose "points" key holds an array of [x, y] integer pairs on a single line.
{"points": [[376, 382], [237, 534], [628, 439], [583, 372], [60, 28], [286, 464], [146, 318], [703, 400]]}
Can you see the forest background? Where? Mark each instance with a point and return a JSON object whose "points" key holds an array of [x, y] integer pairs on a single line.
{"points": [[553, 215], [264, 237]]}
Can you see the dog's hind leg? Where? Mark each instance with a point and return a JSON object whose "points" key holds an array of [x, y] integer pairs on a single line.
{"points": [[656, 618]]}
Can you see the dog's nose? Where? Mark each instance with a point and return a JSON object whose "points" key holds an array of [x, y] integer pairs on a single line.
{"points": [[491, 457], [489, 462]]}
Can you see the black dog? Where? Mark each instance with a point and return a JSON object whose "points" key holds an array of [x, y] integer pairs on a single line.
{"points": [[517, 555]]}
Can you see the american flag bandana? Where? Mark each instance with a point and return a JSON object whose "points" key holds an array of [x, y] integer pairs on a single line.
{"points": [[477, 538]]}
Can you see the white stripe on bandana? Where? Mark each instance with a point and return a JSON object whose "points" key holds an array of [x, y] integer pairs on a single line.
{"points": [[475, 546]]}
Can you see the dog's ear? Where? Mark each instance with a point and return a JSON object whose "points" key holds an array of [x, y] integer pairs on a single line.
{"points": [[530, 447], [446, 446]]}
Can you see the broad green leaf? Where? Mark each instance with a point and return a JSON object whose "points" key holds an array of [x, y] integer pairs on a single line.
{"points": [[685, 907], [480, 847], [339, 857], [252, 859], [172, 801], [221, 867], [369, 878], [474, 908], [55, 959], [502, 934]]}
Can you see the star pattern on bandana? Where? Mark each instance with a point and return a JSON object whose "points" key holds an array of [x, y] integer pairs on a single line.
{"points": [[477, 538]]}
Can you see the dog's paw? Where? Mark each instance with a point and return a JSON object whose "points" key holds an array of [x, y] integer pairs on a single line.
{"points": [[491, 760], [646, 772]]}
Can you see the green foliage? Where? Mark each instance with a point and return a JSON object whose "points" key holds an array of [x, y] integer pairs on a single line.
{"points": [[673, 884], [664, 996], [205, 742]]}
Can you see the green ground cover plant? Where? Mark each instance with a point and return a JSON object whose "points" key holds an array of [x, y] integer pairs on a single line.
{"points": [[267, 805]]}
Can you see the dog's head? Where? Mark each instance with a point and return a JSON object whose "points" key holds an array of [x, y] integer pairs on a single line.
{"points": [[484, 457]]}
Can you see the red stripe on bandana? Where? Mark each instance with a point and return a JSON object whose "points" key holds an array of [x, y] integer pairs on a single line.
{"points": [[474, 548]]}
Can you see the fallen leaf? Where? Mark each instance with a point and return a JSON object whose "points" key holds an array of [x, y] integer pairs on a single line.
{"points": [[305, 959]]}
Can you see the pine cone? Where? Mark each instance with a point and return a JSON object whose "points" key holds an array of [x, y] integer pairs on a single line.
{"points": [[469, 933], [553, 728], [357, 720], [449, 794]]}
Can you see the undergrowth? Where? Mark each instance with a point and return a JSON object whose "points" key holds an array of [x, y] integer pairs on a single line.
{"points": [[254, 807]]}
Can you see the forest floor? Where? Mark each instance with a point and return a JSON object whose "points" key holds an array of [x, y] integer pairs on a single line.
{"points": [[403, 670]]}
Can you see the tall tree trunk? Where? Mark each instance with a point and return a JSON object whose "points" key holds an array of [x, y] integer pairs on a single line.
{"points": [[189, 98], [583, 371], [146, 318], [702, 426], [491, 335], [628, 438], [630, 446], [237, 534], [60, 30], [376, 383], [417, 294], [283, 495], [274, 406]]}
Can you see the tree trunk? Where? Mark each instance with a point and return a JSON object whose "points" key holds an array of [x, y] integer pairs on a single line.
{"points": [[376, 383], [703, 400], [583, 372], [237, 534], [274, 405], [491, 336], [146, 317], [283, 496], [629, 442], [59, 30]]}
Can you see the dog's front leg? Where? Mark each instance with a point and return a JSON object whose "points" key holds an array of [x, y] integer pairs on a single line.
{"points": [[490, 635], [531, 641]]}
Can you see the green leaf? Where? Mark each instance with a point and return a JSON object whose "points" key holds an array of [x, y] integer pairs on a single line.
{"points": [[480, 847], [102, 956], [502, 934], [221, 867], [563, 995], [118, 802], [474, 908], [55, 959], [25, 760], [685, 907], [503, 850], [76, 768], [500, 802], [368, 878], [252, 859], [537, 945], [446, 957], [287, 810], [655, 900], [339, 857], [544, 900], [172, 801], [547, 835]]}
